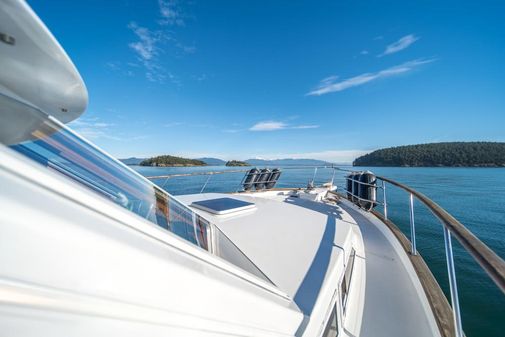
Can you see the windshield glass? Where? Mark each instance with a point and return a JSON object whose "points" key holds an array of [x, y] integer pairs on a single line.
{"points": [[55, 146]]}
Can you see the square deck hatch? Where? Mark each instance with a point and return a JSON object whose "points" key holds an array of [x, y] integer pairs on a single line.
{"points": [[222, 206]]}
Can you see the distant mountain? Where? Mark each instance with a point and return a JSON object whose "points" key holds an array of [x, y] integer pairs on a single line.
{"points": [[287, 162], [212, 161], [462, 154], [132, 161]]}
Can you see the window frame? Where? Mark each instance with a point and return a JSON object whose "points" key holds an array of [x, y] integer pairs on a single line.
{"points": [[345, 284]]}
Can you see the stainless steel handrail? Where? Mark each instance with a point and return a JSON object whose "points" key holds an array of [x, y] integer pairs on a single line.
{"points": [[492, 264], [211, 173], [174, 175], [487, 259]]}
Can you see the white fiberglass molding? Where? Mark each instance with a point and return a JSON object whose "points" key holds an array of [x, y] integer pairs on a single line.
{"points": [[35, 68], [33, 297], [24, 168]]}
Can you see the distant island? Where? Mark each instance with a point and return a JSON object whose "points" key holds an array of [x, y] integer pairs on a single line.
{"points": [[237, 163], [171, 161], [219, 162], [450, 154]]}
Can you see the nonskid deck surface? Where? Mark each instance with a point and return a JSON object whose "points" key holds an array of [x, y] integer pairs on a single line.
{"points": [[394, 304], [293, 241]]}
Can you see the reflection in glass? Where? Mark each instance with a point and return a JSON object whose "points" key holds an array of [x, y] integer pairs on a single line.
{"points": [[53, 145]]}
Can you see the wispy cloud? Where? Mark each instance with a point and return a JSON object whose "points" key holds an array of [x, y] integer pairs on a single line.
{"points": [[268, 126], [327, 86], [118, 67], [399, 45], [171, 13], [93, 128], [147, 49], [151, 42], [276, 125], [364, 52], [304, 127]]}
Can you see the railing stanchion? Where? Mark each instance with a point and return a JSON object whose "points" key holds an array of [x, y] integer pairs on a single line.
{"points": [[314, 177], [205, 185], [384, 200], [458, 327], [412, 226]]}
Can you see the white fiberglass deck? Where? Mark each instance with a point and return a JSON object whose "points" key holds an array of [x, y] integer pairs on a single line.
{"points": [[286, 238], [293, 241]]}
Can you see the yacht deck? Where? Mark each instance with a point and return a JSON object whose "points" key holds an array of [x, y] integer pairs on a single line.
{"points": [[292, 241], [295, 241]]}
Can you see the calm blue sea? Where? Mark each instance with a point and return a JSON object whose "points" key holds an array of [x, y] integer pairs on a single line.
{"points": [[475, 196]]}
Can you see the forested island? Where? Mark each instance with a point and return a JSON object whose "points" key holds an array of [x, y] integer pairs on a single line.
{"points": [[237, 163], [171, 161], [451, 154]]}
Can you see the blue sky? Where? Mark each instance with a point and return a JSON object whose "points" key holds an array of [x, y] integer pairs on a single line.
{"points": [[271, 79]]}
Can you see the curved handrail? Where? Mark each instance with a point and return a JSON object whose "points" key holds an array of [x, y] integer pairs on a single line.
{"points": [[487, 259], [210, 173], [492, 264]]}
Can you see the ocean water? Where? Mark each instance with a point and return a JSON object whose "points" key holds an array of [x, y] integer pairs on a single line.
{"points": [[474, 196]]}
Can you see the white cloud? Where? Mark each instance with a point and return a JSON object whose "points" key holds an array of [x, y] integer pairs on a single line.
{"points": [[304, 127], [276, 125], [326, 86], [268, 126], [146, 48], [399, 45], [170, 13], [364, 52], [92, 128], [151, 43]]}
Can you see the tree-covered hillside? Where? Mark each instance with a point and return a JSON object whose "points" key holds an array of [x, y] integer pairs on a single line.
{"points": [[471, 154], [171, 161]]}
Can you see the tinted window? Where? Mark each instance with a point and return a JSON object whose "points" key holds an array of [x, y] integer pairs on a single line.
{"points": [[331, 329], [346, 282]]}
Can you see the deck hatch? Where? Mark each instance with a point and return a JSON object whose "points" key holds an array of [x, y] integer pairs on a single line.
{"points": [[222, 206]]}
